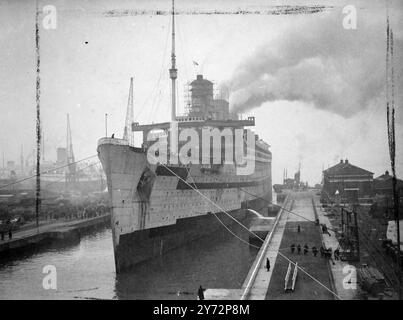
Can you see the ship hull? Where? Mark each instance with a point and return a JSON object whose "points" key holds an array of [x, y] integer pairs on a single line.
{"points": [[142, 245]]}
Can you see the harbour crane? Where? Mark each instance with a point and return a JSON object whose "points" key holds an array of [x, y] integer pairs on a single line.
{"points": [[127, 133], [71, 176]]}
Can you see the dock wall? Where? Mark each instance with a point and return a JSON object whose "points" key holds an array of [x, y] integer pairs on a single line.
{"points": [[69, 231]]}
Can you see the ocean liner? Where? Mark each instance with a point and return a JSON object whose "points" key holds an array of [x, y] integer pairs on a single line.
{"points": [[157, 207]]}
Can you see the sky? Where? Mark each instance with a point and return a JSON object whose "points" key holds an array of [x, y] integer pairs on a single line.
{"points": [[315, 88]]}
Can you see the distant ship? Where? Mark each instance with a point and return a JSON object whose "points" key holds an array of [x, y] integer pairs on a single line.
{"points": [[65, 175], [52, 184], [158, 207]]}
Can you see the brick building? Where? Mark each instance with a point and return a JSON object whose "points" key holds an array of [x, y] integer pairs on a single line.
{"points": [[347, 182], [383, 185]]}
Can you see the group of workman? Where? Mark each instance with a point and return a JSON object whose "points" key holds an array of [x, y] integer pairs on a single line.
{"points": [[324, 253], [72, 211]]}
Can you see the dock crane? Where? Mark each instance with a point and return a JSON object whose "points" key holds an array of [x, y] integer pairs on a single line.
{"points": [[71, 176], [127, 133], [28, 158]]}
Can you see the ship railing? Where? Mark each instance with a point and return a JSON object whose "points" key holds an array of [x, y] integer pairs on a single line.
{"points": [[189, 118], [115, 141]]}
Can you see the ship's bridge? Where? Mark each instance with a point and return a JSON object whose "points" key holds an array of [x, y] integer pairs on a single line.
{"points": [[190, 122]]}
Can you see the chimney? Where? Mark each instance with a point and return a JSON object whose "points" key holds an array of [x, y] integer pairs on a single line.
{"points": [[346, 161], [386, 173], [341, 161]]}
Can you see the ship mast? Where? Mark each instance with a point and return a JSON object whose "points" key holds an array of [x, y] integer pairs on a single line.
{"points": [[173, 72]]}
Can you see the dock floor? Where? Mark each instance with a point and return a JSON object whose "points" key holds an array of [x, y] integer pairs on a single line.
{"points": [[318, 278], [316, 274], [310, 234]]}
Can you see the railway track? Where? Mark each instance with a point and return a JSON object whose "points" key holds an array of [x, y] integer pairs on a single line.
{"points": [[376, 254]]}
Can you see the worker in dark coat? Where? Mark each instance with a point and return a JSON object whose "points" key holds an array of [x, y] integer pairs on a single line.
{"points": [[306, 248], [267, 264], [336, 254], [200, 293], [314, 251], [299, 248], [329, 252], [324, 230], [10, 233], [293, 248]]}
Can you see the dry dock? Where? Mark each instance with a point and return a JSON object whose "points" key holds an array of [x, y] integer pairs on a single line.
{"points": [[58, 230], [313, 277], [317, 277]]}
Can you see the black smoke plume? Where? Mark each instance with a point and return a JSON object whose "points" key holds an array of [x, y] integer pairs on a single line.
{"points": [[322, 64]]}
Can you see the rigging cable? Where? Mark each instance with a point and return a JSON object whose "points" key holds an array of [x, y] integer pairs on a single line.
{"points": [[222, 223], [158, 95], [222, 210], [158, 81]]}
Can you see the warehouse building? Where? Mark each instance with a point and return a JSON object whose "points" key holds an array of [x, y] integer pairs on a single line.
{"points": [[347, 182]]}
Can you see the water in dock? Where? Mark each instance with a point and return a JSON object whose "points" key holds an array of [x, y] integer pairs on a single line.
{"points": [[85, 269]]}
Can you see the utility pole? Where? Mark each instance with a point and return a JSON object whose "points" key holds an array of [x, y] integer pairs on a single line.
{"points": [[38, 120], [43, 143], [390, 113]]}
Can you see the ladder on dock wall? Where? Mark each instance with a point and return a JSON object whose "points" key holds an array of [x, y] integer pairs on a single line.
{"points": [[289, 282]]}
